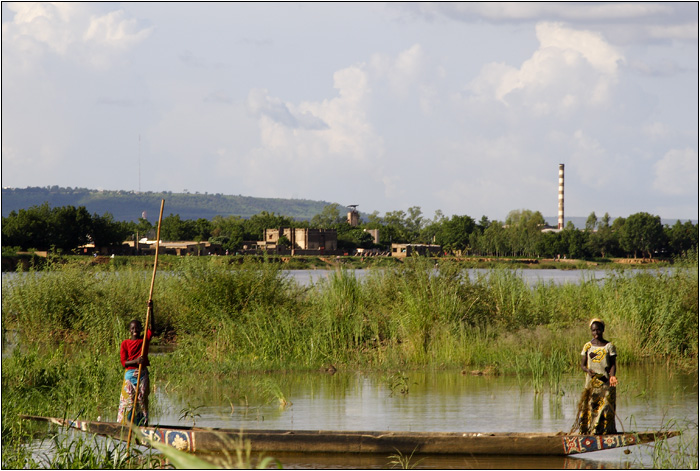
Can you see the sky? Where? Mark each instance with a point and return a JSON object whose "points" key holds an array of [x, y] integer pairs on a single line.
{"points": [[466, 108]]}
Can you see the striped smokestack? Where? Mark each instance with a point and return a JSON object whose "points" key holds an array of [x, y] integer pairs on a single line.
{"points": [[561, 196]]}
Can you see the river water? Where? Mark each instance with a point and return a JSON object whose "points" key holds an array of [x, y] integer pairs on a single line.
{"points": [[532, 277], [454, 401]]}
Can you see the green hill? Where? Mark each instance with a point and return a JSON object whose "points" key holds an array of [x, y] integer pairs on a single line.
{"points": [[129, 205]]}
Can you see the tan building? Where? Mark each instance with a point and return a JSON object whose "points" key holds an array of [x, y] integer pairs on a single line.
{"points": [[353, 218], [406, 250], [148, 247], [185, 247], [374, 233], [323, 240]]}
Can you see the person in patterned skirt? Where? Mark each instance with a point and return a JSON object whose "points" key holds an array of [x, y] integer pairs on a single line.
{"points": [[131, 358], [596, 415]]}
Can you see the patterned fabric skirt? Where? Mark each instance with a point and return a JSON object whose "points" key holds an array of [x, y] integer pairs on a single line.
{"points": [[596, 409], [126, 400]]}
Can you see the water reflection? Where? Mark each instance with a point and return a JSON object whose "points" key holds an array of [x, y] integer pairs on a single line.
{"points": [[366, 461], [438, 401], [530, 276]]}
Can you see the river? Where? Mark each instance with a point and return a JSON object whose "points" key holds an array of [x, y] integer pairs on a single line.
{"points": [[648, 398], [530, 276]]}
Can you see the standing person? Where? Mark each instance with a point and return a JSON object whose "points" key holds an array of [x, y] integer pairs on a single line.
{"points": [[130, 353], [596, 413]]}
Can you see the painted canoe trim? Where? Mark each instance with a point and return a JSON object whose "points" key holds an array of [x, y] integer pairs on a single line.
{"points": [[200, 439]]}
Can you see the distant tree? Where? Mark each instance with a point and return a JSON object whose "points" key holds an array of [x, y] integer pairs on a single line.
{"points": [[228, 231], [173, 228], [106, 232], [328, 218], [524, 217], [523, 231], [70, 227], [549, 245], [284, 241], [475, 245], [64, 228], [143, 227], [439, 217], [618, 224], [201, 229], [591, 222], [374, 221], [430, 230], [495, 239], [682, 237], [414, 222], [573, 241], [602, 241], [256, 225], [28, 228], [483, 224], [353, 238], [395, 227], [642, 233], [454, 233]]}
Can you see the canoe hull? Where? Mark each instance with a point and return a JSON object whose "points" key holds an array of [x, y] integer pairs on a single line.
{"points": [[197, 439]]}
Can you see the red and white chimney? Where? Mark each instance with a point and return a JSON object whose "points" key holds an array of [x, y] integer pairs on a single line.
{"points": [[561, 197]]}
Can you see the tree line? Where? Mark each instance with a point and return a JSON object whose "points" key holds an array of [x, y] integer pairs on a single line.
{"points": [[520, 235]]}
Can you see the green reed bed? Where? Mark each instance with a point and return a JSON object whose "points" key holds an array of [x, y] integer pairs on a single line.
{"points": [[253, 316]]}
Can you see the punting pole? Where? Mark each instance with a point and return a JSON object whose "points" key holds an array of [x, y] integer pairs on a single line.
{"points": [[145, 330]]}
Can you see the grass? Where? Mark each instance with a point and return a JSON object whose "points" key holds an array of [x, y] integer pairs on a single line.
{"points": [[397, 383], [190, 413], [401, 461], [679, 452]]}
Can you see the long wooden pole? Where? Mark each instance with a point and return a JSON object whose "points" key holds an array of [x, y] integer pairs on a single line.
{"points": [[145, 330]]}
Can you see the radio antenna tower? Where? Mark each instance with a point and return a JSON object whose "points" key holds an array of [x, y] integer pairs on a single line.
{"points": [[139, 163]]}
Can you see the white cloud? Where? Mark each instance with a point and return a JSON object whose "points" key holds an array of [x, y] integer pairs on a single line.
{"points": [[115, 30], [261, 104], [73, 31], [677, 173], [311, 131], [38, 26], [570, 69], [591, 45], [294, 144], [401, 72]]}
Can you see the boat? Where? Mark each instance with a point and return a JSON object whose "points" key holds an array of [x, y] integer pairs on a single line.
{"points": [[209, 440]]}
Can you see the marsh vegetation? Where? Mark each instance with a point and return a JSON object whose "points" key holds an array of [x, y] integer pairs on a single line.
{"points": [[251, 317]]}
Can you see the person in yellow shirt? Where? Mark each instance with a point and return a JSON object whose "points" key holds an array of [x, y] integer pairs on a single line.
{"points": [[597, 404]]}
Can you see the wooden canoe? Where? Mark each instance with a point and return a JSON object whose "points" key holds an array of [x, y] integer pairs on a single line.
{"points": [[200, 439]]}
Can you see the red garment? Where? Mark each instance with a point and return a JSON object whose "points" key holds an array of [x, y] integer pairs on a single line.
{"points": [[131, 350]]}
